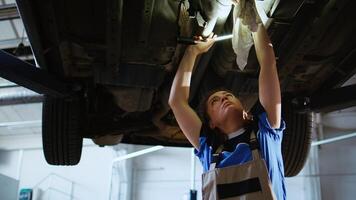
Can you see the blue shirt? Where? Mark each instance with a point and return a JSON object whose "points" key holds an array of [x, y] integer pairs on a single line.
{"points": [[270, 141]]}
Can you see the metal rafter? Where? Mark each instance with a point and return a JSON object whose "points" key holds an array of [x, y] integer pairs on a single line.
{"points": [[8, 11]]}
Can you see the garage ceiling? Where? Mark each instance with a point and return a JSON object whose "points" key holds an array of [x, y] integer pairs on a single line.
{"points": [[12, 31], [16, 119], [22, 119]]}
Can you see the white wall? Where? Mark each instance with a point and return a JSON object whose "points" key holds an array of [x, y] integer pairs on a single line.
{"points": [[338, 167], [305, 186], [9, 187], [158, 175], [166, 173], [90, 177], [9, 163], [337, 160]]}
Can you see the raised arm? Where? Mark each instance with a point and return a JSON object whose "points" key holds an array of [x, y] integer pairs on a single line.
{"points": [[268, 82], [186, 117]]}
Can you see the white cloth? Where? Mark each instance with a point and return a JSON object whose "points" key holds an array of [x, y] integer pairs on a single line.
{"points": [[236, 133], [246, 20]]}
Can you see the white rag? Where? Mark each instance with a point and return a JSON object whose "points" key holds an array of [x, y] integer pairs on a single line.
{"points": [[246, 20]]}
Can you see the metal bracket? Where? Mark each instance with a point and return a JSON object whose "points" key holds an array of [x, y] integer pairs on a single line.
{"points": [[327, 101]]}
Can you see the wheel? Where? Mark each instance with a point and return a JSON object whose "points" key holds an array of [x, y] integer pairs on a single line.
{"points": [[296, 139], [62, 142]]}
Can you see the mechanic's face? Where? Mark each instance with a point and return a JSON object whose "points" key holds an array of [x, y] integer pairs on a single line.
{"points": [[222, 105]]}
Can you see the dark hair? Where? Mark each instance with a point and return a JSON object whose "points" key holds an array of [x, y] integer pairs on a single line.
{"points": [[203, 109], [215, 137]]}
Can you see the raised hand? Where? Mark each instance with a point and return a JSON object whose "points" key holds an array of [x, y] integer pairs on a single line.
{"points": [[202, 44]]}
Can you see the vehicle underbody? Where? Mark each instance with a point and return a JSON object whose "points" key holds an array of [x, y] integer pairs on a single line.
{"points": [[120, 57]]}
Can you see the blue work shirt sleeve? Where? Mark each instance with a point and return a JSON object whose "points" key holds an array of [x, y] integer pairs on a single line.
{"points": [[204, 153], [265, 126]]}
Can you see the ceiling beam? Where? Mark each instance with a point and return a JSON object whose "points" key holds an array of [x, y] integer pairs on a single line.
{"points": [[8, 12]]}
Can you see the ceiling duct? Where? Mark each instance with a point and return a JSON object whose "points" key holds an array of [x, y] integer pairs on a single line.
{"points": [[18, 95]]}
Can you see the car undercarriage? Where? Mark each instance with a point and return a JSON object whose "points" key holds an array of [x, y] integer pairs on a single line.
{"points": [[109, 66]]}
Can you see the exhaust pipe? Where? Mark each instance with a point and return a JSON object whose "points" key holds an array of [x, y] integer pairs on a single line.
{"points": [[214, 10]]}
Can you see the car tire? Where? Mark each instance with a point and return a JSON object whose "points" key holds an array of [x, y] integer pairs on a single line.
{"points": [[62, 142], [296, 139]]}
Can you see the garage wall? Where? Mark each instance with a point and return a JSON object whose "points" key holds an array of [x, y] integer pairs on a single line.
{"points": [[90, 178], [305, 186], [8, 189], [337, 160], [166, 173], [338, 167], [158, 175], [9, 163]]}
